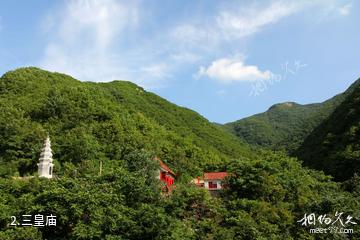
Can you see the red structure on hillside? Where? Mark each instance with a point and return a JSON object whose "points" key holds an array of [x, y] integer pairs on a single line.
{"points": [[166, 175]]}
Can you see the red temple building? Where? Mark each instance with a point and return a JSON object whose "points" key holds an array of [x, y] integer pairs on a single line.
{"points": [[166, 175]]}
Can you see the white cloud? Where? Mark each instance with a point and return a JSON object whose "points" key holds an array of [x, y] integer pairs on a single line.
{"points": [[228, 70], [229, 28], [82, 36], [330, 10], [345, 10], [236, 24], [90, 42], [194, 38], [110, 39], [100, 19], [232, 24]]}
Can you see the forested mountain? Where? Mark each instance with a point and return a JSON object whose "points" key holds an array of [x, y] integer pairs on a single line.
{"points": [[102, 121], [123, 126], [334, 146], [285, 125]]}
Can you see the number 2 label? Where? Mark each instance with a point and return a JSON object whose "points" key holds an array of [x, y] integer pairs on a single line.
{"points": [[13, 223]]}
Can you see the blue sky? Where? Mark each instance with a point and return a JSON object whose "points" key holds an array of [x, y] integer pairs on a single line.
{"points": [[224, 59]]}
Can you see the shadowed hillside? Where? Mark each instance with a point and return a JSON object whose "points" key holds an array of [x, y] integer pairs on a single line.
{"points": [[334, 146], [285, 125]]}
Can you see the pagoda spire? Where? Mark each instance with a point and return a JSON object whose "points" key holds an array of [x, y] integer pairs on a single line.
{"points": [[45, 165]]}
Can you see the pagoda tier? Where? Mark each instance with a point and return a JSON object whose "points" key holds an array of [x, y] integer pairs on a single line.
{"points": [[45, 165]]}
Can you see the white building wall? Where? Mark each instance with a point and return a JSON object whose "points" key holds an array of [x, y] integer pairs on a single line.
{"points": [[218, 183]]}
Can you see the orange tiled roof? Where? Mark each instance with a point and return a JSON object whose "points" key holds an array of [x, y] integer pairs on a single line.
{"points": [[165, 167], [215, 175]]}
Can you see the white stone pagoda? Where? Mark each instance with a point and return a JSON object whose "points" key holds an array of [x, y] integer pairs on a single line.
{"points": [[45, 165]]}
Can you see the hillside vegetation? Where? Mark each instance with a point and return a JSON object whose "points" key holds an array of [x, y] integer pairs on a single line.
{"points": [[285, 125], [265, 199], [102, 121], [123, 126], [334, 146]]}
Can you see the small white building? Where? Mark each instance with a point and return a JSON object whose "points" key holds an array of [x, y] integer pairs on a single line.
{"points": [[211, 180], [45, 165]]}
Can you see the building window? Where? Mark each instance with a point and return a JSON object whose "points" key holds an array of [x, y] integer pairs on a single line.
{"points": [[212, 185], [50, 170]]}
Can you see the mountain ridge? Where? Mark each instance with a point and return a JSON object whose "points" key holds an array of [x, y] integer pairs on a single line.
{"points": [[285, 125], [334, 145], [35, 101]]}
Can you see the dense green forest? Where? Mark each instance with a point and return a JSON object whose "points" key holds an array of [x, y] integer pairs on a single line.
{"points": [[124, 127], [89, 122], [334, 146], [285, 125], [265, 199]]}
